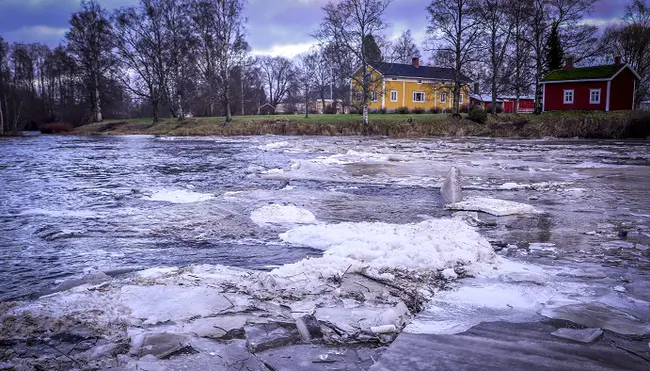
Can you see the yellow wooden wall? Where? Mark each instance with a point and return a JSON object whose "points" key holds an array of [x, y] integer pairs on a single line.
{"points": [[405, 89]]}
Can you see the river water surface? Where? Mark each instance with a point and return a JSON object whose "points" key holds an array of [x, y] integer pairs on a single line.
{"points": [[72, 203]]}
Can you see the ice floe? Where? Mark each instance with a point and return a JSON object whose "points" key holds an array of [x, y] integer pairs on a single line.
{"points": [[275, 213], [493, 206], [178, 196], [433, 244]]}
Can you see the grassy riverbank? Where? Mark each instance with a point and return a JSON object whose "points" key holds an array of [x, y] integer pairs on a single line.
{"points": [[614, 125]]}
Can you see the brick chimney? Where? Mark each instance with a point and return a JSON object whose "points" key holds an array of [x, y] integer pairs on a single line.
{"points": [[416, 62], [569, 63], [618, 60]]}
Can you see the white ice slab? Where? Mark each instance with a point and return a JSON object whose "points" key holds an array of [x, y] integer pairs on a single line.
{"points": [[493, 206]]}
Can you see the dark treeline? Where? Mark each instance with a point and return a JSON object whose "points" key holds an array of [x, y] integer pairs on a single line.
{"points": [[179, 58]]}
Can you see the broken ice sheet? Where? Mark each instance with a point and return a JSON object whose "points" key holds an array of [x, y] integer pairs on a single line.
{"points": [[493, 206]]}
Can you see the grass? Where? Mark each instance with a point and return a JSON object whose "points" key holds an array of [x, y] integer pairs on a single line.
{"points": [[614, 125]]}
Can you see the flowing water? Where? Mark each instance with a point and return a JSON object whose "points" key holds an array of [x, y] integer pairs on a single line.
{"points": [[70, 203]]}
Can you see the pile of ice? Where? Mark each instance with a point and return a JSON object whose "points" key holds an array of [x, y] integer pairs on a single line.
{"points": [[178, 196], [434, 244], [275, 213]]}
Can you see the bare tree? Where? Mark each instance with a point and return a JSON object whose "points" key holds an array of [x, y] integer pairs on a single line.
{"points": [[305, 68], [179, 46], [141, 42], [90, 42], [220, 25], [456, 29], [493, 15], [519, 73], [632, 42], [347, 25], [4, 81], [404, 49], [322, 76], [277, 75]]}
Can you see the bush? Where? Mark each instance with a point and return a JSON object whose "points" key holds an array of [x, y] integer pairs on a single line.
{"points": [[403, 110], [382, 111], [464, 109], [418, 111], [56, 128], [434, 110], [477, 114]]}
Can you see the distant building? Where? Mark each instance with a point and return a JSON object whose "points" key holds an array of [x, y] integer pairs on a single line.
{"points": [[506, 103], [600, 88]]}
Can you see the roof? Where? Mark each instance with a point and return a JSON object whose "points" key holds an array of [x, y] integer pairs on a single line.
{"points": [[606, 72], [423, 72], [485, 98]]}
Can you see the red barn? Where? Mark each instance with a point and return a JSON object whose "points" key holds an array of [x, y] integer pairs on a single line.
{"points": [[600, 88]]}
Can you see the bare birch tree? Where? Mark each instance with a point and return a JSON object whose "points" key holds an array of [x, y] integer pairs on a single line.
{"points": [[305, 68], [454, 27], [493, 15], [347, 24], [404, 49], [90, 41]]}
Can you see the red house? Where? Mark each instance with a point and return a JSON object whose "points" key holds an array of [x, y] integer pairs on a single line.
{"points": [[600, 88], [507, 103]]}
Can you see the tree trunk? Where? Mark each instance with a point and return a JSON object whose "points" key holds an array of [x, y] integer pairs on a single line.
{"points": [[241, 80], [307, 104], [2, 120], [154, 111], [365, 115]]}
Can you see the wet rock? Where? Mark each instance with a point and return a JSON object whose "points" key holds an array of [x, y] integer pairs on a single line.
{"points": [[265, 336], [165, 345], [587, 335], [309, 328], [451, 189], [600, 316]]}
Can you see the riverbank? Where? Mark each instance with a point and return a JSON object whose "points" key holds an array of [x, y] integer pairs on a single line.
{"points": [[591, 125]]}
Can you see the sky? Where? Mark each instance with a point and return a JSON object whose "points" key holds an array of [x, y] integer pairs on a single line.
{"points": [[275, 27]]}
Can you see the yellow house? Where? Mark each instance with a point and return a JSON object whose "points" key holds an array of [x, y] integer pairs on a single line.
{"points": [[395, 85]]}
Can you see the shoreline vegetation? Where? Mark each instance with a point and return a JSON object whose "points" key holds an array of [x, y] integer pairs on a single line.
{"points": [[588, 125]]}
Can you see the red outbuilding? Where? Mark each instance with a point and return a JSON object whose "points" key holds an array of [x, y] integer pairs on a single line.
{"points": [[599, 88], [506, 103]]}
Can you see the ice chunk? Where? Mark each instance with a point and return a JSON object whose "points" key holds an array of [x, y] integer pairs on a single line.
{"points": [[451, 189], [265, 336], [599, 315], [275, 213], [353, 320], [178, 196], [587, 335], [309, 328], [493, 206], [428, 245]]}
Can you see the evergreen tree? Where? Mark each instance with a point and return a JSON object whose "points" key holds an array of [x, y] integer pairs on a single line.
{"points": [[371, 49], [554, 51]]}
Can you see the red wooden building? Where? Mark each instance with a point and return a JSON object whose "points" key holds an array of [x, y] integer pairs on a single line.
{"points": [[600, 88], [507, 103]]}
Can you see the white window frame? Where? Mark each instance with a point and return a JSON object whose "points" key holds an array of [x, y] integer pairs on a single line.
{"points": [[443, 97], [374, 96], [460, 101], [573, 96], [394, 93], [424, 97], [591, 96]]}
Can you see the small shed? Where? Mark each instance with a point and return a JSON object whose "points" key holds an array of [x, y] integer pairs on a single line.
{"points": [[598, 88], [266, 109]]}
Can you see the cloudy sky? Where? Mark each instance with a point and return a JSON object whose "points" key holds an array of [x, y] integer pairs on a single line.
{"points": [[276, 27]]}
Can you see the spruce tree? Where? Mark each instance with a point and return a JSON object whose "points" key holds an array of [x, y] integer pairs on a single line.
{"points": [[371, 49], [554, 51]]}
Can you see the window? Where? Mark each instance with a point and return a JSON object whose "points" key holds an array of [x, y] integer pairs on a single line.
{"points": [[418, 96], [594, 96], [568, 97], [443, 97], [358, 96], [393, 96], [375, 96], [419, 81], [461, 99]]}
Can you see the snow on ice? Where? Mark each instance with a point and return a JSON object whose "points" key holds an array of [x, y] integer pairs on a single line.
{"points": [[178, 196], [275, 213]]}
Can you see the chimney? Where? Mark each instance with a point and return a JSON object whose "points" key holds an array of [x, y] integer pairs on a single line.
{"points": [[416, 62], [569, 63], [617, 60], [477, 89]]}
